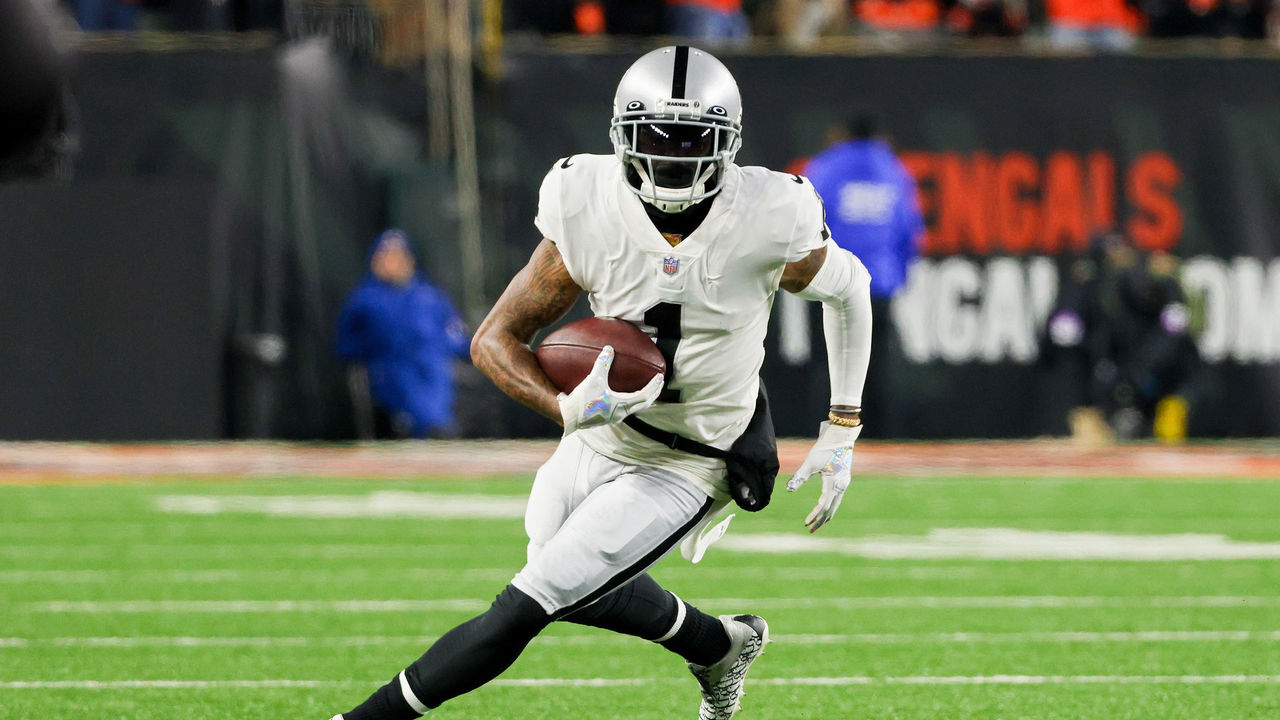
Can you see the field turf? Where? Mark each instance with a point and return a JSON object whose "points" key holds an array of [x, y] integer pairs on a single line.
{"points": [[117, 601]]}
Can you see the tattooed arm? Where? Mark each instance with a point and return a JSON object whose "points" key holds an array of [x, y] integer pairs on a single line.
{"points": [[541, 293], [796, 276]]}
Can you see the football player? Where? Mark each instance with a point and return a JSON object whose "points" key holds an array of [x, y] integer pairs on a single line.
{"points": [[670, 234]]}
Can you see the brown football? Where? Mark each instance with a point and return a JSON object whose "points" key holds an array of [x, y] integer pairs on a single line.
{"points": [[567, 354]]}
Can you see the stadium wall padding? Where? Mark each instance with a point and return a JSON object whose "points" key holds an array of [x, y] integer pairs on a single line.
{"points": [[1021, 159], [184, 282], [106, 329]]}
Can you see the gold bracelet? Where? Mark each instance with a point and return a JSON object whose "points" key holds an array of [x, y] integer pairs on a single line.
{"points": [[841, 421]]}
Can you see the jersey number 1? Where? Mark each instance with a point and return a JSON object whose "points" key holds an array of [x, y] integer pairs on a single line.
{"points": [[664, 318]]}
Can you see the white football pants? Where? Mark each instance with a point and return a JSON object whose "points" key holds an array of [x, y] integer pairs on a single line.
{"points": [[595, 523]]}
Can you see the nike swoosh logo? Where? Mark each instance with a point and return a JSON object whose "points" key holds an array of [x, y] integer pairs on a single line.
{"points": [[566, 163], [797, 179]]}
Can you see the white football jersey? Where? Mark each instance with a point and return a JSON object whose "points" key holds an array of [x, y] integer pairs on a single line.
{"points": [[705, 301]]}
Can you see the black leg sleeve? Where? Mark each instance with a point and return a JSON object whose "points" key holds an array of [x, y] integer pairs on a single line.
{"points": [[463, 659], [478, 650], [643, 609], [640, 608]]}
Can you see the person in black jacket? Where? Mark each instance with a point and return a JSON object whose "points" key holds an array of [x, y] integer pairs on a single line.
{"points": [[1121, 326]]}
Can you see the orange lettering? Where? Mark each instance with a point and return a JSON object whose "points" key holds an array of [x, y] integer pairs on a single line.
{"points": [[1102, 191], [980, 204], [965, 200], [1064, 204], [1156, 223], [1016, 214]]}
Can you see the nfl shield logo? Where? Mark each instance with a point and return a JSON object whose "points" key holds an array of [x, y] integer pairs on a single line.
{"points": [[670, 265]]}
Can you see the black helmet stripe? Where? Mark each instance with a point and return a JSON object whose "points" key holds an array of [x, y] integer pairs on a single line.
{"points": [[681, 71]]}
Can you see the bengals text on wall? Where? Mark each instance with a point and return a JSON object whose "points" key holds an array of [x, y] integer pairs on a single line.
{"points": [[1015, 203]]}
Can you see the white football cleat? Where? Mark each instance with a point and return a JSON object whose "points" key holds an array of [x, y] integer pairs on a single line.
{"points": [[722, 683]]}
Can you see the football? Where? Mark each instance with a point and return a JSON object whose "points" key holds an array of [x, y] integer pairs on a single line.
{"points": [[568, 353]]}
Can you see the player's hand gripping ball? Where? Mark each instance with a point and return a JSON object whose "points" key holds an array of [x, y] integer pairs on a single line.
{"points": [[569, 354], [606, 369]]}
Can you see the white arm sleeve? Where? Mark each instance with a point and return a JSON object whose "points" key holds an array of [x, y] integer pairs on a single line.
{"points": [[843, 286]]}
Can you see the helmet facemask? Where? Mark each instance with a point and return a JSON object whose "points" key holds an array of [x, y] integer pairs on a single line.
{"points": [[674, 160]]}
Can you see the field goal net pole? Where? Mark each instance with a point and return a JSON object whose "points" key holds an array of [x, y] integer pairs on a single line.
{"points": [[435, 71], [466, 165]]}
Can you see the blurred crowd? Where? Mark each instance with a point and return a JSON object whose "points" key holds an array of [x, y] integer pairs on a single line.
{"points": [[1101, 24], [176, 15], [1098, 24]]}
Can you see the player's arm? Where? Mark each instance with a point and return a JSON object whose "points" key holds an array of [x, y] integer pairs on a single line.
{"points": [[541, 293], [796, 277], [833, 276]]}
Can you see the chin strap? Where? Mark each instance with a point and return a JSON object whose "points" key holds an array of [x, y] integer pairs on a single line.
{"points": [[670, 207], [673, 200]]}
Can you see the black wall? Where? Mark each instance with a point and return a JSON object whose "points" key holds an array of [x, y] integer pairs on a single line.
{"points": [[1193, 153], [221, 197], [105, 314]]}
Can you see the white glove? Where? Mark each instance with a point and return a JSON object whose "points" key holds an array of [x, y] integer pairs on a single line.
{"points": [[832, 456], [592, 403]]}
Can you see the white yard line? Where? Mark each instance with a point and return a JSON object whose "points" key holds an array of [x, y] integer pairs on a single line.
{"points": [[257, 606], [995, 601], [629, 682], [213, 641], [162, 684], [576, 682], [1012, 638], [1030, 680], [995, 543], [969, 544], [233, 551], [788, 573], [489, 574], [19, 577], [1017, 638], [469, 605], [381, 503], [200, 577]]}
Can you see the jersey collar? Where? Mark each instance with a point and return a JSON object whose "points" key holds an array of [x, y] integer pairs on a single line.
{"points": [[637, 221]]}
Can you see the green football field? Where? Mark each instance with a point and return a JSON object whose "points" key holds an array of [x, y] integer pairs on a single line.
{"points": [[941, 598]]}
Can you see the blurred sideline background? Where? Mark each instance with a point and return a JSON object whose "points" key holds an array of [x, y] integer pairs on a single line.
{"points": [[203, 179], [189, 189]]}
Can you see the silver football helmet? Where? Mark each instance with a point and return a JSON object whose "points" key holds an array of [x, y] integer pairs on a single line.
{"points": [[677, 123]]}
